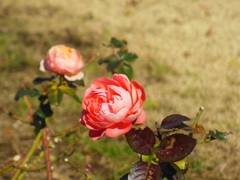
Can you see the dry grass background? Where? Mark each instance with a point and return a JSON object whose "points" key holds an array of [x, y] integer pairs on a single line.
{"points": [[189, 56]]}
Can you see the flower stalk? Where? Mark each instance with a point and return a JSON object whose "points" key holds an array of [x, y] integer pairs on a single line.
{"points": [[195, 122], [30, 153], [47, 153]]}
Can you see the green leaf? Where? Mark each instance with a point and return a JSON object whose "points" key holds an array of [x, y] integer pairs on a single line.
{"points": [[127, 56], [45, 110], [126, 69], [171, 171], [70, 91], [80, 82], [168, 170], [117, 43], [59, 96], [40, 80], [103, 61], [40, 113], [26, 92], [182, 164], [141, 139], [113, 63], [221, 136], [55, 97], [175, 147], [42, 98], [38, 122]]}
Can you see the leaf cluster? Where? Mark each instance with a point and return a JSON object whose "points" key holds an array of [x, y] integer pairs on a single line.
{"points": [[120, 61], [54, 89], [163, 152]]}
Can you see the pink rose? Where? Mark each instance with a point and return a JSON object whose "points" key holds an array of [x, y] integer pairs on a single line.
{"points": [[63, 60], [112, 106]]}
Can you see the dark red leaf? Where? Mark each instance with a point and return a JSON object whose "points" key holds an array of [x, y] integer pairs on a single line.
{"points": [[141, 139], [173, 121], [175, 147], [143, 170]]}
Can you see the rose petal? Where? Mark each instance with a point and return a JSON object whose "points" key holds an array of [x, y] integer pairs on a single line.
{"points": [[42, 68], [118, 129], [140, 90], [141, 118], [79, 76], [93, 122], [103, 83], [132, 117], [122, 80], [95, 135]]}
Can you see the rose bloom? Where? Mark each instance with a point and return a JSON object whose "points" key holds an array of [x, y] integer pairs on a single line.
{"points": [[63, 60], [112, 106]]}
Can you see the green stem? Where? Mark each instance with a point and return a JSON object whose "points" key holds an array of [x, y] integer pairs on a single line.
{"points": [[198, 117], [66, 131], [61, 79], [204, 140], [30, 153], [76, 167], [13, 116]]}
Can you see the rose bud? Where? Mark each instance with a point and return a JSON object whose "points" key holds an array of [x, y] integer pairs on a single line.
{"points": [[63, 60]]}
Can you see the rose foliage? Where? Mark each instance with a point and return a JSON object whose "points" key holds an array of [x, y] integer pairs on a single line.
{"points": [[111, 107]]}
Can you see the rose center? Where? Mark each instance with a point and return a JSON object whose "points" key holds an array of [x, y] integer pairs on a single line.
{"points": [[66, 52]]}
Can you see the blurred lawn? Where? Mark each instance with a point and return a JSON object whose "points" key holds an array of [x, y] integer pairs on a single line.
{"points": [[189, 56]]}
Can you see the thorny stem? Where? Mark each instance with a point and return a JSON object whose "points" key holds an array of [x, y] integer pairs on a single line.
{"points": [[75, 167], [85, 173], [29, 155], [13, 116], [47, 154], [29, 169], [66, 132]]}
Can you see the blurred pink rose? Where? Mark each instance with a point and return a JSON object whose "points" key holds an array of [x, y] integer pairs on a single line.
{"points": [[112, 106], [63, 60]]}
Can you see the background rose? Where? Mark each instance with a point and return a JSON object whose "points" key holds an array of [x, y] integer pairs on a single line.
{"points": [[111, 106], [63, 60]]}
